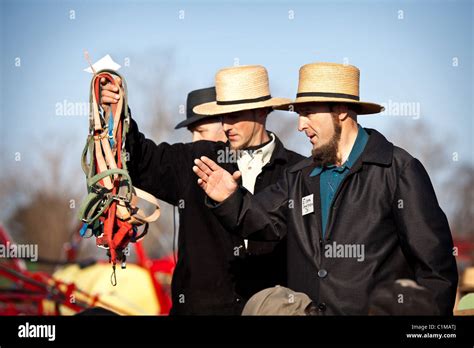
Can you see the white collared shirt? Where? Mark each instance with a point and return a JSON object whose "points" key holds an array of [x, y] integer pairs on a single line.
{"points": [[251, 162]]}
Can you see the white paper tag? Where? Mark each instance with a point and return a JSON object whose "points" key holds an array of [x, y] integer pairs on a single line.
{"points": [[307, 205], [105, 62]]}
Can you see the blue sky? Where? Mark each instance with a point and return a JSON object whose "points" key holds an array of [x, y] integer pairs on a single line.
{"points": [[401, 60]]}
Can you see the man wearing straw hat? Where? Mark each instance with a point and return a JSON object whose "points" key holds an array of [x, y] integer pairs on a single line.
{"points": [[358, 212], [216, 271]]}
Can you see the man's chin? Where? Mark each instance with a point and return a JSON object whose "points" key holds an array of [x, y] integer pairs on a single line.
{"points": [[324, 155], [235, 145], [317, 148]]}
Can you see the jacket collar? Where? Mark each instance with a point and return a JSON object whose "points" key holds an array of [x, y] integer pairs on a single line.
{"points": [[378, 149], [279, 152]]}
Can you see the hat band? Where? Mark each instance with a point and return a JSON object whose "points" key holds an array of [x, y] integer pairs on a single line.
{"points": [[244, 101], [329, 95]]}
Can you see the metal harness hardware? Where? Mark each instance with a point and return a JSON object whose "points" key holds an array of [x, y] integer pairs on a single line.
{"points": [[110, 209]]}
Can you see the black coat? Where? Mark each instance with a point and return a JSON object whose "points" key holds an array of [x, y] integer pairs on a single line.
{"points": [[386, 203], [214, 274]]}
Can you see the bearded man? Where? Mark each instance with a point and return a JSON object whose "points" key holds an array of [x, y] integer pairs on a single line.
{"points": [[358, 212]]}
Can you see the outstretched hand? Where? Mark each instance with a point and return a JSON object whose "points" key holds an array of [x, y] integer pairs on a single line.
{"points": [[214, 180]]}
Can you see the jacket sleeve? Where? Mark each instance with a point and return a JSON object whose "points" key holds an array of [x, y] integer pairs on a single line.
{"points": [[425, 235], [160, 169], [262, 216]]}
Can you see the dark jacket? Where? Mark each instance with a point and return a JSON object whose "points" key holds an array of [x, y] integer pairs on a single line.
{"points": [[214, 274], [386, 203]]}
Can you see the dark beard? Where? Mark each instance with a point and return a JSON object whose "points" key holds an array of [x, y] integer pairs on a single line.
{"points": [[327, 154]]}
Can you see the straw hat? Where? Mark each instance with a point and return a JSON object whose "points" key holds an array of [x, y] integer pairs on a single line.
{"points": [[331, 82], [277, 301], [240, 88], [467, 280]]}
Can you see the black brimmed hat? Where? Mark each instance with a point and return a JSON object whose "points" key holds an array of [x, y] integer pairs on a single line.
{"points": [[195, 98]]}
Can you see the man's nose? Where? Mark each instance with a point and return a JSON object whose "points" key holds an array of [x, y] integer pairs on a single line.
{"points": [[302, 123], [225, 126]]}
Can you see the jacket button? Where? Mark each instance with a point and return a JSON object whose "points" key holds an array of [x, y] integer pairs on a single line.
{"points": [[322, 273], [322, 307]]}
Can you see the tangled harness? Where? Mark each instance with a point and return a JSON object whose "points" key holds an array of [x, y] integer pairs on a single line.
{"points": [[110, 209]]}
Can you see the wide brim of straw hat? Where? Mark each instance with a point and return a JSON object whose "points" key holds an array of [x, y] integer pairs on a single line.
{"points": [[330, 83], [362, 108], [467, 280], [213, 108]]}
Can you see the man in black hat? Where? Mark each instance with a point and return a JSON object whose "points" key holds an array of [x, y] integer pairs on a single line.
{"points": [[202, 127], [216, 272]]}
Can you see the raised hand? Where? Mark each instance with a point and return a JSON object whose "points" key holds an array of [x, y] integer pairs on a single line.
{"points": [[214, 180]]}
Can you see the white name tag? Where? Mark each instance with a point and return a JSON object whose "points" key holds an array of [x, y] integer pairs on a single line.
{"points": [[307, 205]]}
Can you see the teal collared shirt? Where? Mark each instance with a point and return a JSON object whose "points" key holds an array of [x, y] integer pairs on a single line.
{"points": [[332, 176]]}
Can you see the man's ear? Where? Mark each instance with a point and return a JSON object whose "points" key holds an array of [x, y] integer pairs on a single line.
{"points": [[342, 110], [261, 115]]}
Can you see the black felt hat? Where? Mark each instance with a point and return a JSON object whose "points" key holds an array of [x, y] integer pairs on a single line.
{"points": [[195, 98]]}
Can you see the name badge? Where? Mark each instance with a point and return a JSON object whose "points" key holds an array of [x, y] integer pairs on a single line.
{"points": [[307, 204]]}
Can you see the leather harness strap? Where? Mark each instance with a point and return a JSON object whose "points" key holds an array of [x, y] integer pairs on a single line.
{"points": [[110, 210]]}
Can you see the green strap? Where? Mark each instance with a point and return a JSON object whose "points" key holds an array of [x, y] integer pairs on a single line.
{"points": [[99, 199], [88, 148], [109, 172], [94, 204]]}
